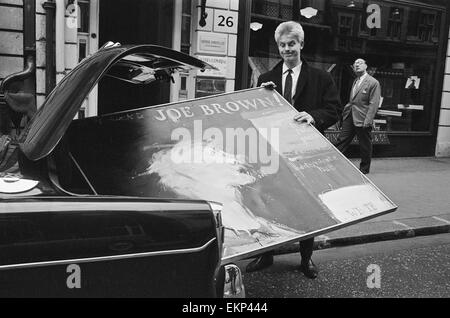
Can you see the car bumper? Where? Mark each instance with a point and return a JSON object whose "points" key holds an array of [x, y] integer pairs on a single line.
{"points": [[234, 285]]}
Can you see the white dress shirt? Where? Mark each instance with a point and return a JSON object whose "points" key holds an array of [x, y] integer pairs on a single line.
{"points": [[295, 74], [358, 83]]}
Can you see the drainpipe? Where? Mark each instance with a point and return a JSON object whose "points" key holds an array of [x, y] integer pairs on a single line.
{"points": [[29, 25], [59, 40], [50, 75], [29, 46]]}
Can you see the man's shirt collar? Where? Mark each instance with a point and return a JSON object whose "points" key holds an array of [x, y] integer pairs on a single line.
{"points": [[295, 71], [361, 79]]}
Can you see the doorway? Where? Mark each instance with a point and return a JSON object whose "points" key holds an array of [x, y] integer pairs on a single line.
{"points": [[87, 44], [134, 22]]}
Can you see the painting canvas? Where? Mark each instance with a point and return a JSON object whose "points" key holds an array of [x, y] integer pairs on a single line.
{"points": [[279, 181]]}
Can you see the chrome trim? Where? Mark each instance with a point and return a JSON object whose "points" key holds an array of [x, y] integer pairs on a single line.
{"points": [[107, 258], [83, 174], [234, 285], [216, 208], [96, 204]]}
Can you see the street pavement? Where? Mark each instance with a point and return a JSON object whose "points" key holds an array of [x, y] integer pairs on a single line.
{"points": [[420, 189], [414, 267]]}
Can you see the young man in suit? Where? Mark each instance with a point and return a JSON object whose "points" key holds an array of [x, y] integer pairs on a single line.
{"points": [[313, 93], [359, 113]]}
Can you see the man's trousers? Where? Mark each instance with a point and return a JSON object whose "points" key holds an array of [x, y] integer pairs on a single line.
{"points": [[348, 131], [306, 249]]}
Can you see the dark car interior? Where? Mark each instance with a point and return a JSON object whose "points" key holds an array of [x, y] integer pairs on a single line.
{"points": [[118, 90]]}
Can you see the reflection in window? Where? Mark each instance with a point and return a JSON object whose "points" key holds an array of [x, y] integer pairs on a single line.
{"points": [[426, 26], [405, 47], [281, 9], [345, 26], [394, 29]]}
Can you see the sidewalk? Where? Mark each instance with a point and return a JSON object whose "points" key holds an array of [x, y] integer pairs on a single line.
{"points": [[420, 187]]}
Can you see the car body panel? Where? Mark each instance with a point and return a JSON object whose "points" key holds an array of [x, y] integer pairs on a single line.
{"points": [[131, 241]]}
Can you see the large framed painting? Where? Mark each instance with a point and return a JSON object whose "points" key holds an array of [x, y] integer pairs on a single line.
{"points": [[279, 181]]}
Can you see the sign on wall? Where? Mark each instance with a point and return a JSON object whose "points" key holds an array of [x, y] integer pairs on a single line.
{"points": [[225, 21], [279, 181], [218, 61], [212, 43]]}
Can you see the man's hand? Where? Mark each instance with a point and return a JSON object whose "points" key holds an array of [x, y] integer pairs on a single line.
{"points": [[304, 117], [366, 125], [269, 85]]}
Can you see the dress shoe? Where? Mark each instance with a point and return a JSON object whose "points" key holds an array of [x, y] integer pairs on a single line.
{"points": [[309, 269], [259, 263], [364, 171]]}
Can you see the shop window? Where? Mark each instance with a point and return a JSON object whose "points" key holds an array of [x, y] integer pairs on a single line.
{"points": [[406, 91], [402, 54]]}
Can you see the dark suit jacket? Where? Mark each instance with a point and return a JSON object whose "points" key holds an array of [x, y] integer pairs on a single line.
{"points": [[315, 94]]}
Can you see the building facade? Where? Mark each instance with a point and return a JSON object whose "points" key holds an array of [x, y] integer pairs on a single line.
{"points": [[404, 42]]}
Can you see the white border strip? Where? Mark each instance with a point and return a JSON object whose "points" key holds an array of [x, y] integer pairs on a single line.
{"points": [[441, 219]]}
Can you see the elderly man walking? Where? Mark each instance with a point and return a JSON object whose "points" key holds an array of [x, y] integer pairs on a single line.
{"points": [[359, 113]]}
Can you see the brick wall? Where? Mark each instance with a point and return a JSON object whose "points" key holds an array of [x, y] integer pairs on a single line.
{"points": [[11, 37]]}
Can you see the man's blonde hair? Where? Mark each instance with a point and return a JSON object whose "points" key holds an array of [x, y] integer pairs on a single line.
{"points": [[290, 27]]}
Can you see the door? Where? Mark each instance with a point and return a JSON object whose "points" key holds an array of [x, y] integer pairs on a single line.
{"points": [[87, 43]]}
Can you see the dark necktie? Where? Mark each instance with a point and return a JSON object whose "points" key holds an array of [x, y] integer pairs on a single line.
{"points": [[288, 87]]}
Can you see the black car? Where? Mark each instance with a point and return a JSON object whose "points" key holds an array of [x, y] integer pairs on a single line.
{"points": [[60, 238]]}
